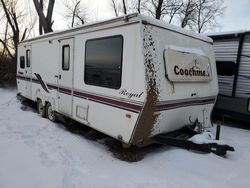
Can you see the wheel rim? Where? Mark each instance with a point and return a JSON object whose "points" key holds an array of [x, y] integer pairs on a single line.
{"points": [[51, 114]]}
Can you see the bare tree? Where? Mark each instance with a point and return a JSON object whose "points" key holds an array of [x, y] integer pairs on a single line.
{"points": [[161, 8], [139, 6], [121, 7], [153, 7], [206, 13], [12, 19], [115, 7], [46, 21], [40, 21], [76, 12], [198, 15], [5, 40], [124, 7], [174, 8], [187, 13], [15, 27]]}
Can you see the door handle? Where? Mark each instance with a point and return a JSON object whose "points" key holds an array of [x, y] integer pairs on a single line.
{"points": [[58, 76], [20, 72]]}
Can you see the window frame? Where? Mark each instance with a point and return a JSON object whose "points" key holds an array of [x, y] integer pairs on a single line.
{"points": [[22, 59], [121, 60], [63, 68], [219, 70], [27, 59]]}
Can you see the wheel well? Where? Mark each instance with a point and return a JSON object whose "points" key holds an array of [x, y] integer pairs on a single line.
{"points": [[45, 103]]}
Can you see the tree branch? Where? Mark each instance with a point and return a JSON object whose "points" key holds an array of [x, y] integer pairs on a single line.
{"points": [[6, 47]]}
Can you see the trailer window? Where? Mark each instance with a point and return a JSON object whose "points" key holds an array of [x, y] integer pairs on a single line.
{"points": [[65, 57], [22, 62], [103, 62], [225, 68], [28, 58]]}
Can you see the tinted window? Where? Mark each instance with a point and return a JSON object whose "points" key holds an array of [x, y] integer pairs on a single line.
{"points": [[22, 62], [103, 62], [65, 57], [225, 68], [28, 58]]}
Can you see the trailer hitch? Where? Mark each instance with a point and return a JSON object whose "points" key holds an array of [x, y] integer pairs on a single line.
{"points": [[181, 140]]}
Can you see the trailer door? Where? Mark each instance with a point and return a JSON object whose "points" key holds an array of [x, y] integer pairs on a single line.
{"points": [[65, 77], [28, 72]]}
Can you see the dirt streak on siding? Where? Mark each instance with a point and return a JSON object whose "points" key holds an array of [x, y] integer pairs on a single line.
{"points": [[147, 118]]}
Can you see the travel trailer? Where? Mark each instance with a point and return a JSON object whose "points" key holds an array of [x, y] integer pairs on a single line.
{"points": [[232, 53], [132, 77]]}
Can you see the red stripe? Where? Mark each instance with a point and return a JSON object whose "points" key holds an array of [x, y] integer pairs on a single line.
{"points": [[21, 77], [64, 90], [41, 82], [52, 86], [185, 103], [108, 101], [162, 105]]}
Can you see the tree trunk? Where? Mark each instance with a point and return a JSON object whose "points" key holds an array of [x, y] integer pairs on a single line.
{"points": [[124, 7], [74, 13], [50, 12], [45, 21], [158, 10], [139, 6], [115, 7], [40, 22], [12, 20]]}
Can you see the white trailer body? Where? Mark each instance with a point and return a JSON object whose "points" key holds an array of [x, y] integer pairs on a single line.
{"points": [[131, 78], [232, 53]]}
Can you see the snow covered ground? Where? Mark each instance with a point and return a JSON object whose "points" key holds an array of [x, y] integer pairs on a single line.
{"points": [[35, 152]]}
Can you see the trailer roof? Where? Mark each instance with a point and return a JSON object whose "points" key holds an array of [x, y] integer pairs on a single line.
{"points": [[228, 34], [126, 19], [176, 29]]}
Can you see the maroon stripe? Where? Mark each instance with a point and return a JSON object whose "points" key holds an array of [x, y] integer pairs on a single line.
{"points": [[20, 77], [64, 90], [112, 102], [23, 78], [52, 86], [185, 104], [65, 93], [108, 101], [35, 81], [129, 106], [41, 82]]}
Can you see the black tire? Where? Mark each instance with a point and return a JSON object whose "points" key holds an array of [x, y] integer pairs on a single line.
{"points": [[41, 108], [50, 113]]}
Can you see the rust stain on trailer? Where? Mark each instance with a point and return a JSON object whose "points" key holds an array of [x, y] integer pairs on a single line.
{"points": [[148, 117]]}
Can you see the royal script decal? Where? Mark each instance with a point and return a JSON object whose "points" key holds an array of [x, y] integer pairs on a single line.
{"points": [[130, 95]]}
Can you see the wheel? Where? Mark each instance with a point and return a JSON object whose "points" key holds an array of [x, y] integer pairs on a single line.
{"points": [[50, 113], [41, 108]]}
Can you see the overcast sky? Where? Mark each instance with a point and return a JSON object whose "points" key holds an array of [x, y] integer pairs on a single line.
{"points": [[236, 16]]}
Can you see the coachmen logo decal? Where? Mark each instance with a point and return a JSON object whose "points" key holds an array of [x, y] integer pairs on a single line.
{"points": [[193, 71], [187, 67]]}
